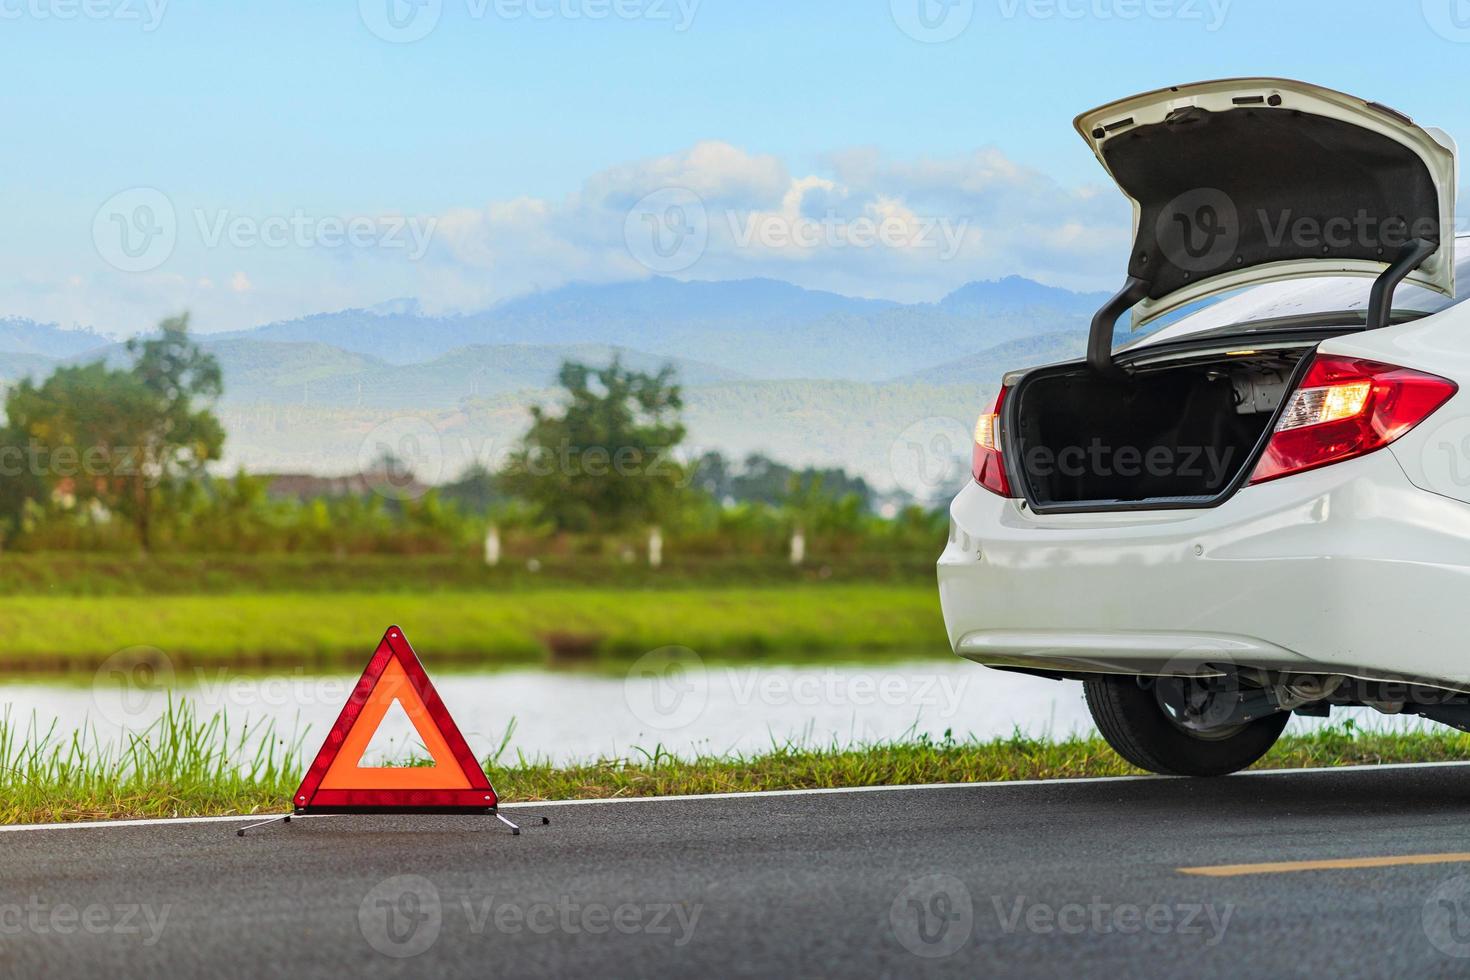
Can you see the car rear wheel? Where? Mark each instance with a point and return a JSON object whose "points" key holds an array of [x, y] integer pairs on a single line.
{"points": [[1141, 719]]}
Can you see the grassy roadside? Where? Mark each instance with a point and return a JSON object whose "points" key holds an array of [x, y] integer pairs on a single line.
{"points": [[305, 629], [186, 767], [100, 574]]}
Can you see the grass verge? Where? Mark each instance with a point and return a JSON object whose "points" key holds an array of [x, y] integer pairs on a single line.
{"points": [[101, 574], [185, 766], [306, 629]]}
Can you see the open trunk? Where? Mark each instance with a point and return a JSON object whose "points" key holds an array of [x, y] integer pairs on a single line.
{"points": [[1231, 182], [1175, 434]]}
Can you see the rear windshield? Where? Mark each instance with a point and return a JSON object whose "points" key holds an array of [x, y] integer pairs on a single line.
{"points": [[1310, 297]]}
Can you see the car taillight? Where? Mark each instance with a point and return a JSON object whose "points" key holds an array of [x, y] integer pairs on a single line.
{"points": [[1346, 407], [986, 463]]}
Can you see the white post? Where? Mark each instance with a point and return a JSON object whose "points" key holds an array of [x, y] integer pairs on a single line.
{"points": [[655, 548], [492, 546], [798, 546]]}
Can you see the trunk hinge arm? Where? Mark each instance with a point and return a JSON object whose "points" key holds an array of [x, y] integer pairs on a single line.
{"points": [[1380, 305], [1380, 301], [1105, 322]]}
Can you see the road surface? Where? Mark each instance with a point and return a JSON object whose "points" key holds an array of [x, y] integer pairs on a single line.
{"points": [[1118, 878]]}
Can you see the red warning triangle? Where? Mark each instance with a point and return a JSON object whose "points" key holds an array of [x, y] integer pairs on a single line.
{"points": [[338, 782]]}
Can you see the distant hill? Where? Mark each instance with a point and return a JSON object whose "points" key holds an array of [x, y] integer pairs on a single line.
{"points": [[13, 367], [808, 376], [1019, 293], [664, 298], [21, 336], [992, 363], [660, 315], [287, 373], [308, 374], [756, 328]]}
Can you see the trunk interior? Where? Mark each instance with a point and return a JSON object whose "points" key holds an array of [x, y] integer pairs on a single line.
{"points": [[1179, 432]]}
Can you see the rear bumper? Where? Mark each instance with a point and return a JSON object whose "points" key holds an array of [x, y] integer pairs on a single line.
{"points": [[1349, 569]]}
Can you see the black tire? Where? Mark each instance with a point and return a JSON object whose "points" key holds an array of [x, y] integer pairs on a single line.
{"points": [[1136, 726]]}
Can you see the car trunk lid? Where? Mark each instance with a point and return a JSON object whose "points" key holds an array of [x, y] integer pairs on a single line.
{"points": [[1243, 181]]}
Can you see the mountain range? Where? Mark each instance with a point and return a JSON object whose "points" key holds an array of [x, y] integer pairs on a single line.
{"points": [[757, 328], [767, 365]]}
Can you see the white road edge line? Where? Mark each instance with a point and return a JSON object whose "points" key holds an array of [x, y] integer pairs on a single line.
{"points": [[757, 795]]}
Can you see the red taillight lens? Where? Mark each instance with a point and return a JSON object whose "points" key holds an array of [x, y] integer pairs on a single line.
{"points": [[1346, 407], [986, 463]]}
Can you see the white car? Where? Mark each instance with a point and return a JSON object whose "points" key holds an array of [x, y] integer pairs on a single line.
{"points": [[1262, 507]]}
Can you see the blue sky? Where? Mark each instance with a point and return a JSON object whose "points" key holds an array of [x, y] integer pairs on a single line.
{"points": [[517, 136]]}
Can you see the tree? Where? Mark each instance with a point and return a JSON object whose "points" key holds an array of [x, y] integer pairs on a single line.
{"points": [[114, 435], [713, 474], [175, 438], [604, 461], [476, 490], [764, 480]]}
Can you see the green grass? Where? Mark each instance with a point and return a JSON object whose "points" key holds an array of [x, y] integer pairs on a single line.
{"points": [[187, 766], [46, 632], [90, 574]]}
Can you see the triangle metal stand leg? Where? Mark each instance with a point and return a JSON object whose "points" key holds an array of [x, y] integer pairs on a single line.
{"points": [[515, 829], [286, 818], [283, 818]]}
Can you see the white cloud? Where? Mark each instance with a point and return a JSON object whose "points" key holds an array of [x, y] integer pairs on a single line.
{"points": [[857, 221], [860, 223]]}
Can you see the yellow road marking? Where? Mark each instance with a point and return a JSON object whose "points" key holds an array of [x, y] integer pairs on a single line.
{"points": [[1326, 864]]}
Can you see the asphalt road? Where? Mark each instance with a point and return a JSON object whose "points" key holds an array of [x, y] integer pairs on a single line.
{"points": [[1055, 879]]}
